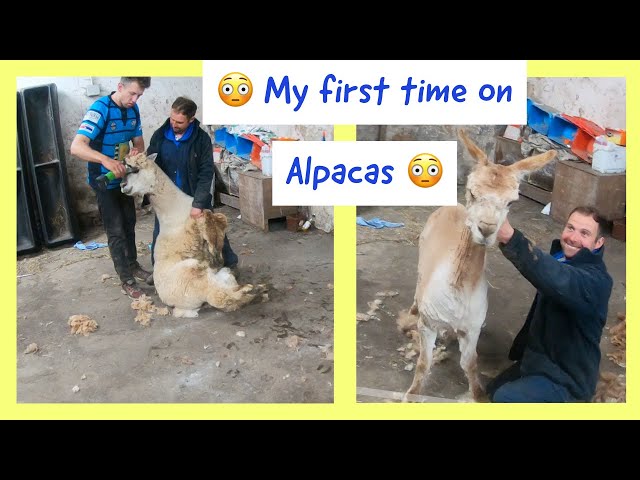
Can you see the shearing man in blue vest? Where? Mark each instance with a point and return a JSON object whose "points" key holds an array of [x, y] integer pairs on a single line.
{"points": [[109, 132]]}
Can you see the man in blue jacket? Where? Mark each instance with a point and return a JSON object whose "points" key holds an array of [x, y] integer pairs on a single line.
{"points": [[557, 351], [185, 154]]}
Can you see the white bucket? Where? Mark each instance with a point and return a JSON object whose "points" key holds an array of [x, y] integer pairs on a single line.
{"points": [[608, 157], [266, 161]]}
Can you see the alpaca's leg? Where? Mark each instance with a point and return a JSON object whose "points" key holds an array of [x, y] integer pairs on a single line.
{"points": [[469, 361], [225, 294], [427, 344], [229, 300]]}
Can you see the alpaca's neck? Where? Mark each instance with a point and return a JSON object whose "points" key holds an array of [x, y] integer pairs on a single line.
{"points": [[470, 259], [167, 200]]}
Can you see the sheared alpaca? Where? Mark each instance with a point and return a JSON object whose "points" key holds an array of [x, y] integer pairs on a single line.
{"points": [[451, 291], [188, 251]]}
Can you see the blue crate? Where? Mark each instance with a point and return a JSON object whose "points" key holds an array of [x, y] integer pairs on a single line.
{"points": [[238, 145], [233, 143], [230, 142], [539, 117], [562, 131], [244, 147], [219, 136]]}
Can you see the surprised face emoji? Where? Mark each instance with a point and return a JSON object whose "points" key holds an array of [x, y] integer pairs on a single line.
{"points": [[425, 170], [235, 89]]}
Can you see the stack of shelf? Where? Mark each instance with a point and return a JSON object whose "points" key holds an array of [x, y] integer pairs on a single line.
{"points": [[45, 159], [28, 236]]}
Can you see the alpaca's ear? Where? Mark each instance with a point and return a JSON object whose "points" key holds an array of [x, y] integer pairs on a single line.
{"points": [[476, 152], [533, 163], [152, 157]]}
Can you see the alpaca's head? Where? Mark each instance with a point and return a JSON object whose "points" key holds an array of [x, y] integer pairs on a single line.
{"points": [[492, 188], [143, 180]]}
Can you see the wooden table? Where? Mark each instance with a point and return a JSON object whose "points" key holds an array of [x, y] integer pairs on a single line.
{"points": [[576, 183], [255, 200]]}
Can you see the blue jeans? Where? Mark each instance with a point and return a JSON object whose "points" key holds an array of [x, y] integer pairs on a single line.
{"points": [[228, 255], [510, 387]]}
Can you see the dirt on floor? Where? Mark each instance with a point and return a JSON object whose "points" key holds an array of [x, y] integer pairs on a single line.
{"points": [[386, 275], [272, 352]]}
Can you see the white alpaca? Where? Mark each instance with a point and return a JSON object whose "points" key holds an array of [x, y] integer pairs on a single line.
{"points": [[186, 249], [451, 291]]}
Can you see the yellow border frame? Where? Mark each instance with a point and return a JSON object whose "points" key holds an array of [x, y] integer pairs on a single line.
{"points": [[344, 406]]}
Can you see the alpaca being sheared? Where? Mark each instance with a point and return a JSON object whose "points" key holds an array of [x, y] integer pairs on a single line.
{"points": [[188, 252]]}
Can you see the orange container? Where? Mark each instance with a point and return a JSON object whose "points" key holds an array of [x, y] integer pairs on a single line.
{"points": [[582, 145], [619, 137], [255, 149]]}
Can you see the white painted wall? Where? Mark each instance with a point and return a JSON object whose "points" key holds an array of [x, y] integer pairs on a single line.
{"points": [[601, 100], [155, 106]]}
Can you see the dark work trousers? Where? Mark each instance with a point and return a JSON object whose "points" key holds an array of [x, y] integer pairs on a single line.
{"points": [[509, 375], [228, 255], [118, 212], [511, 387]]}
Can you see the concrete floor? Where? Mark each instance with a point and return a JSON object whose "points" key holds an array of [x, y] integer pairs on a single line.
{"points": [[285, 355], [386, 262]]}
